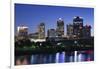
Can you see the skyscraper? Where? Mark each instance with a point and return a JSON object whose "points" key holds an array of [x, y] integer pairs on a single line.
{"points": [[69, 30], [78, 26], [60, 27], [87, 31], [51, 33], [41, 31]]}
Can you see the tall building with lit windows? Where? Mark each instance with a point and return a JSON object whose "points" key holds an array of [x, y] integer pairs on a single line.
{"points": [[51, 33], [78, 27], [60, 27], [87, 31], [41, 31], [69, 30]]}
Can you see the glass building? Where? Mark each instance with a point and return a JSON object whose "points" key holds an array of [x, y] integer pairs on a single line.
{"points": [[78, 26], [60, 27]]}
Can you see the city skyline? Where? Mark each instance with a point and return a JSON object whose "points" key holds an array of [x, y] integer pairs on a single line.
{"points": [[49, 15]]}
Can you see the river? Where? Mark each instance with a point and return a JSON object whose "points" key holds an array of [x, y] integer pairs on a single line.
{"points": [[59, 57]]}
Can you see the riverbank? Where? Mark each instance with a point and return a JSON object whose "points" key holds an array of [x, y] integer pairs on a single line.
{"points": [[53, 46], [51, 49]]}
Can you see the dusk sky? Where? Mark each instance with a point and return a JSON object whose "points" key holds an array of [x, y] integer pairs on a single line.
{"points": [[32, 15]]}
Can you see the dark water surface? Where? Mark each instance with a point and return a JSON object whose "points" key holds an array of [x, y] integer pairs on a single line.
{"points": [[60, 57]]}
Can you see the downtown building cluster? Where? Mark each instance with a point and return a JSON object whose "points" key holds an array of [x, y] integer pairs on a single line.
{"points": [[73, 30]]}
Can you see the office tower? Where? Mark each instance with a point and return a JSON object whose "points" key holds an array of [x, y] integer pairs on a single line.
{"points": [[78, 26], [41, 31], [69, 30], [51, 33], [60, 27], [22, 31], [87, 31]]}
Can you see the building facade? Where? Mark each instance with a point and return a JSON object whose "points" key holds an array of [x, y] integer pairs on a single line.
{"points": [[69, 30], [87, 31], [78, 27], [60, 28], [51, 33], [33, 35], [41, 31], [22, 31]]}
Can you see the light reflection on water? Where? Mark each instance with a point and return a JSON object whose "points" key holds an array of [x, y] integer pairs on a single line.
{"points": [[60, 57]]}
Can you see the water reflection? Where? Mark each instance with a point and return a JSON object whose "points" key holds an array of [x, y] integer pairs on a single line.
{"points": [[22, 60], [60, 57]]}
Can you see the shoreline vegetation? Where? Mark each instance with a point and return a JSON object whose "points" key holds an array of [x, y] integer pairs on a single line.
{"points": [[27, 47]]}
